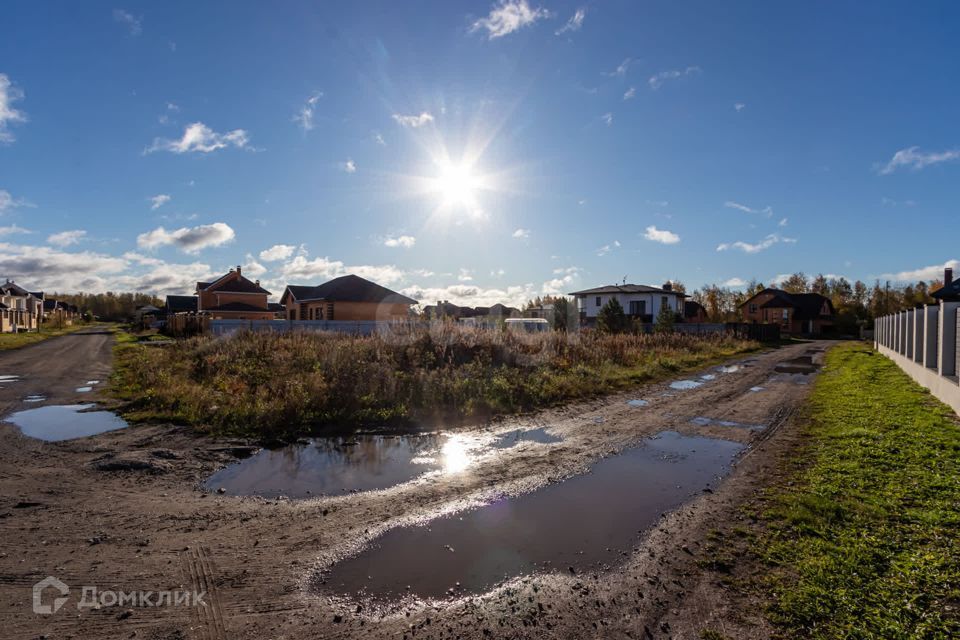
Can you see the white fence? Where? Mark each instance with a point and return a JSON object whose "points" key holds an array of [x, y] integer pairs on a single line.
{"points": [[923, 342]]}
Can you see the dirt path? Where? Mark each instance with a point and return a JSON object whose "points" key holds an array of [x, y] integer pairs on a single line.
{"points": [[63, 515], [55, 368]]}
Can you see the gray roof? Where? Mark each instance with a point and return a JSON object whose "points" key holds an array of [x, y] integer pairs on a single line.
{"points": [[623, 288], [349, 288]]}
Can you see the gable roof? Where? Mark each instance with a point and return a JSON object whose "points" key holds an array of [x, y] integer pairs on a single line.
{"points": [[948, 292], [349, 288], [11, 288], [691, 307], [625, 288], [238, 284]]}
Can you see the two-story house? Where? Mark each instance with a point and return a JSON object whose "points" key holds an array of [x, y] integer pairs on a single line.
{"points": [[796, 313], [639, 301], [232, 296], [20, 310]]}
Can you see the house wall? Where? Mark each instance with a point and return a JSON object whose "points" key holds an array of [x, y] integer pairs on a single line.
{"points": [[242, 315], [348, 311], [587, 304], [210, 299]]}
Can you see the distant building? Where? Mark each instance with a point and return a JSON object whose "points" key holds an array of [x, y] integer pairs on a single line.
{"points": [[348, 297], [694, 312], [234, 297], [796, 313], [950, 291], [639, 301], [182, 304], [20, 310]]}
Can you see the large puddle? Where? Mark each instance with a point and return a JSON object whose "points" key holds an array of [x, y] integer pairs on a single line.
{"points": [[340, 465], [65, 422], [582, 523]]}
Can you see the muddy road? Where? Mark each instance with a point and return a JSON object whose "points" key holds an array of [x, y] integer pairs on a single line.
{"points": [[134, 510]]}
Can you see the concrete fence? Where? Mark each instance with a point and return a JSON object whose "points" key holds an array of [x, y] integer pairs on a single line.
{"points": [[358, 327], [923, 342]]}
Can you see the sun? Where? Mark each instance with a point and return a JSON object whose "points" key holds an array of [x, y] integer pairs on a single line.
{"points": [[457, 185]]}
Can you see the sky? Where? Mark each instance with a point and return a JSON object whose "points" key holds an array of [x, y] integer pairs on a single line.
{"points": [[476, 152]]}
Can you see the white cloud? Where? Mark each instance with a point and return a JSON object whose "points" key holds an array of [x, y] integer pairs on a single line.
{"points": [[933, 272], [621, 69], [735, 283], [574, 23], [405, 242], [379, 139], [301, 269], [508, 16], [465, 275], [52, 269], [607, 118], [133, 24], [277, 252], [304, 117], [747, 247], [9, 203], [661, 235], [164, 278], [188, 239], [473, 295], [158, 201], [631, 92], [559, 285], [415, 121], [199, 137], [783, 222], [67, 238], [607, 248], [766, 211], [522, 234], [5, 231], [656, 81], [915, 159], [349, 166], [253, 268], [739, 106], [8, 95]]}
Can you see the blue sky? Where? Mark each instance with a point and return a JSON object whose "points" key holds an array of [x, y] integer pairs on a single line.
{"points": [[476, 151]]}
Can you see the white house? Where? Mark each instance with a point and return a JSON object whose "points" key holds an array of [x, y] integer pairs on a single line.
{"points": [[638, 301], [20, 310]]}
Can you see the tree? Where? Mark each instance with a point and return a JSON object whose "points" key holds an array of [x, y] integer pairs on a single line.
{"points": [[563, 314], [796, 283], [665, 319], [677, 286], [611, 318]]}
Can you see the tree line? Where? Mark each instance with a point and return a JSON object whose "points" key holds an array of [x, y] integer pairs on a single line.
{"points": [[114, 307]]}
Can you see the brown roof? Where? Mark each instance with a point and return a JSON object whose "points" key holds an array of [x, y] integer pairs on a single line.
{"points": [[349, 288], [240, 284]]}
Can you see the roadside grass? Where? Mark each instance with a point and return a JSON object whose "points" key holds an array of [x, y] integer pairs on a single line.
{"points": [[281, 386], [864, 541], [18, 340]]}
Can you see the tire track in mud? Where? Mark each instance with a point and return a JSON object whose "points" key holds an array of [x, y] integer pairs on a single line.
{"points": [[208, 616]]}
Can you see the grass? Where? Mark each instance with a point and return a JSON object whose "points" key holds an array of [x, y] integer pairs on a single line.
{"points": [[279, 386], [865, 540], [18, 340]]}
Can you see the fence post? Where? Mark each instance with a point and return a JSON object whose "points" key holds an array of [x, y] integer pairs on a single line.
{"points": [[947, 360], [918, 335], [930, 334]]}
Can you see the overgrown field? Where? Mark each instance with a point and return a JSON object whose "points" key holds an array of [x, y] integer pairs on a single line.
{"points": [[865, 542], [284, 385]]}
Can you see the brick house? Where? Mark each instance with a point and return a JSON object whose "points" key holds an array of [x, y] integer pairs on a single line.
{"points": [[796, 313], [234, 297], [20, 310], [348, 297]]}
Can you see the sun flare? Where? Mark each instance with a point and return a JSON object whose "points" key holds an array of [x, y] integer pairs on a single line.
{"points": [[457, 185]]}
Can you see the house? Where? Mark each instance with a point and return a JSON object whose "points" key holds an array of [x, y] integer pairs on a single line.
{"points": [[796, 313], [638, 301], [234, 297], [950, 291], [694, 312], [445, 309], [181, 304], [20, 310], [348, 297]]}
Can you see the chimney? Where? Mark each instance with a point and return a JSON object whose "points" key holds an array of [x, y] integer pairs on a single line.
{"points": [[258, 283], [238, 270], [668, 286], [947, 276]]}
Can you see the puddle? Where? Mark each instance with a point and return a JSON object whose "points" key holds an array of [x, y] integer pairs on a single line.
{"points": [[336, 466], [802, 365], [683, 385], [34, 398], [65, 422], [637, 403], [755, 389], [703, 421], [515, 437], [733, 368], [83, 389], [708, 376], [5, 379], [583, 523], [93, 382]]}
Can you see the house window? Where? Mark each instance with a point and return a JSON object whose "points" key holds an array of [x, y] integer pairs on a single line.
{"points": [[786, 316], [753, 308], [638, 307], [329, 311], [765, 316], [664, 302], [598, 301]]}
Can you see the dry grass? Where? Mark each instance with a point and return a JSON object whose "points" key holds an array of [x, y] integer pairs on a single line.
{"points": [[284, 385]]}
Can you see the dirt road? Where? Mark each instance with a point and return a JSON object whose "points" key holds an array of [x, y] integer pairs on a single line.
{"points": [[55, 368], [67, 511]]}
